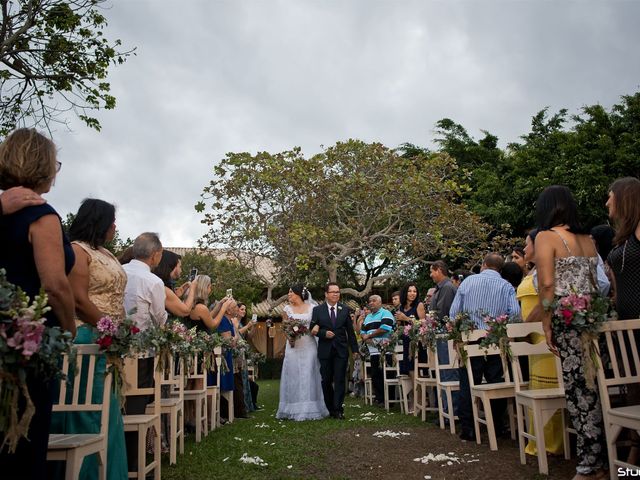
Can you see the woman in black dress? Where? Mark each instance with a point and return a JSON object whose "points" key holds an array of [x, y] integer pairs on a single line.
{"points": [[35, 252]]}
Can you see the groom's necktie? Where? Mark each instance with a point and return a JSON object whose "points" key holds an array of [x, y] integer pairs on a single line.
{"points": [[333, 316]]}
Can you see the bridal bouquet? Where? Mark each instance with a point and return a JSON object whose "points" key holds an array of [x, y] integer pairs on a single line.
{"points": [[27, 347], [497, 334], [293, 329], [117, 340], [585, 314]]}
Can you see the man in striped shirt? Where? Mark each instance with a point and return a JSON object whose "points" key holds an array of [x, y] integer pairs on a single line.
{"points": [[484, 294], [377, 326]]}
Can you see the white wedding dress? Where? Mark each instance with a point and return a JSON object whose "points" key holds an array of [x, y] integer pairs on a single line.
{"points": [[301, 395]]}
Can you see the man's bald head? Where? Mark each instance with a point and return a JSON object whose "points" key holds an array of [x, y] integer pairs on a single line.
{"points": [[493, 261]]}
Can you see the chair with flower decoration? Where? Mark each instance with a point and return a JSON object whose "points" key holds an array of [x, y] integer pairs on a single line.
{"points": [[482, 394], [144, 423], [172, 405], [196, 392], [392, 378], [424, 385], [447, 387], [541, 403], [619, 368], [76, 395], [213, 392]]}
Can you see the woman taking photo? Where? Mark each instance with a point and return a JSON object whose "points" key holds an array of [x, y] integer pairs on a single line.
{"points": [[35, 253], [98, 283], [168, 270], [566, 261]]}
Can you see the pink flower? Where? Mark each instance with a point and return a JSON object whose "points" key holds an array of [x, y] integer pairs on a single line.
{"points": [[30, 347], [107, 326], [568, 316]]}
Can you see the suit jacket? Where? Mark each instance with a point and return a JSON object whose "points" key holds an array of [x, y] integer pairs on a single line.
{"points": [[344, 335]]}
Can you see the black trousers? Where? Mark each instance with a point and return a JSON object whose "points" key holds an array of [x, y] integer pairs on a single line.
{"points": [[254, 392], [137, 405], [377, 379], [334, 372], [490, 368]]}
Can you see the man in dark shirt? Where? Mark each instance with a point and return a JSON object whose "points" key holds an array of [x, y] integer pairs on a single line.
{"points": [[439, 306]]}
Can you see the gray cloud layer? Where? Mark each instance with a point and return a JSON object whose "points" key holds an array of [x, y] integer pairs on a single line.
{"points": [[213, 77]]}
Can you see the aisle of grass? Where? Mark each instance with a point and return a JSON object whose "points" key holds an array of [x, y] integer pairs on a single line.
{"points": [[287, 447]]}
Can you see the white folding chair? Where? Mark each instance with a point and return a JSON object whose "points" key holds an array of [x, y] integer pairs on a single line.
{"points": [[482, 394], [392, 378], [173, 406], [424, 385], [542, 403], [144, 423], [368, 382], [448, 386], [196, 392], [213, 393], [72, 448], [621, 350]]}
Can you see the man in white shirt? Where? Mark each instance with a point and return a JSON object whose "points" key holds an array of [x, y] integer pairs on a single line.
{"points": [[145, 291]]}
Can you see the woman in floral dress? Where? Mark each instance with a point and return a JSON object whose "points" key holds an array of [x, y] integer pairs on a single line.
{"points": [[566, 260]]}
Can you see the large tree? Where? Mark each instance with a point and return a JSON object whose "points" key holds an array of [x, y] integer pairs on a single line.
{"points": [[54, 60], [357, 212]]}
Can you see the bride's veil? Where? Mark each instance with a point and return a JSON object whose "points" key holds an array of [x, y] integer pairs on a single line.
{"points": [[310, 300]]}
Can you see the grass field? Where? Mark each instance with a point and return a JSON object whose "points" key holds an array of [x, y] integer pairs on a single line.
{"points": [[290, 449]]}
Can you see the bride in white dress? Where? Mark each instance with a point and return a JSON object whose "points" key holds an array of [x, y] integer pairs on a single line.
{"points": [[301, 395]]}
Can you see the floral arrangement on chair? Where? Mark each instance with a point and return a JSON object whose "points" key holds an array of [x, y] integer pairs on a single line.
{"points": [[497, 334], [117, 339], [455, 329], [27, 346], [424, 332], [586, 314]]}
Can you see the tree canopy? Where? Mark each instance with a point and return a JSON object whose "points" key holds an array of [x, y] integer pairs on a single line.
{"points": [[54, 60], [357, 212], [585, 152]]}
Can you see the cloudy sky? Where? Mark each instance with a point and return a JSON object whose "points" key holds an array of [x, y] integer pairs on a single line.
{"points": [[211, 77]]}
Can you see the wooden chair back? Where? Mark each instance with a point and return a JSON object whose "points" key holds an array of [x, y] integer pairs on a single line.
{"points": [[76, 392], [475, 350], [131, 385], [197, 373], [521, 346], [619, 360], [453, 360]]}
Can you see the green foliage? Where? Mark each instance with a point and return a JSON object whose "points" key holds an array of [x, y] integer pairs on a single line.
{"points": [[224, 273], [55, 59], [585, 152], [354, 208]]}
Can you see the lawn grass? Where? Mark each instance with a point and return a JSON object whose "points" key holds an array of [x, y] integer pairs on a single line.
{"points": [[289, 448]]}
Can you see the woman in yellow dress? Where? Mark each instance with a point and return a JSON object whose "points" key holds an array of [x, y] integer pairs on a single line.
{"points": [[542, 368]]}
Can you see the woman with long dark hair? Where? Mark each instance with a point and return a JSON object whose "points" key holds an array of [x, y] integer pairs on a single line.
{"points": [[168, 270], [98, 283], [566, 260], [410, 309]]}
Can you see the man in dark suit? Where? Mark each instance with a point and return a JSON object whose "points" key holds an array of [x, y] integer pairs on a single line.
{"points": [[332, 324]]}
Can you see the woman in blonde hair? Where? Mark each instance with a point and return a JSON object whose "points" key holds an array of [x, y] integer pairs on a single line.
{"points": [[35, 254]]}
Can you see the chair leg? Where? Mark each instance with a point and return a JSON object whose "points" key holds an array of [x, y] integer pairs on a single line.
{"points": [[476, 417], [102, 461], [72, 468], [386, 396], [198, 421], [491, 428], [520, 412], [451, 413], [614, 431], [538, 424], [205, 415], [173, 441], [142, 448], [512, 419], [156, 453], [440, 407]]}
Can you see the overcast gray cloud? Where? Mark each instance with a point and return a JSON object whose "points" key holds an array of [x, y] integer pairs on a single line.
{"points": [[214, 77]]}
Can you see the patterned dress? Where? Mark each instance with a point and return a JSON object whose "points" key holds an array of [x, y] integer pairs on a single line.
{"points": [[577, 275]]}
